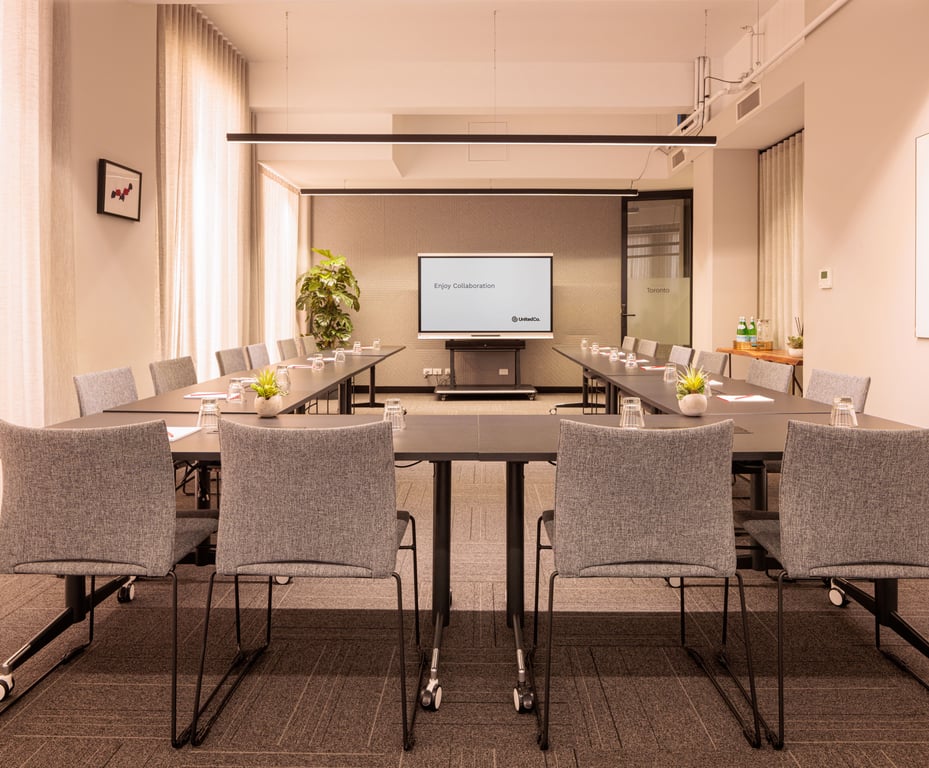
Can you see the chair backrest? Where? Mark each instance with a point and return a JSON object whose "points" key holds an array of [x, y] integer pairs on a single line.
{"points": [[629, 343], [852, 502], [231, 360], [258, 356], [647, 347], [608, 521], [326, 497], [680, 355], [825, 386], [776, 376], [87, 501], [711, 362], [172, 374], [306, 345], [100, 390], [287, 348]]}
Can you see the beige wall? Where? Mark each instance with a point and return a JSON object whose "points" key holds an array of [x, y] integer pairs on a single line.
{"points": [[113, 117], [381, 238], [867, 99]]}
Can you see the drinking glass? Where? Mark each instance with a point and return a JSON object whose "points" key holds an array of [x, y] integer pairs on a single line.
{"points": [[235, 394], [393, 413], [614, 355], [595, 348], [376, 345], [339, 355], [630, 413], [208, 417], [356, 348], [584, 343], [630, 359], [843, 413], [670, 373], [282, 379], [316, 362]]}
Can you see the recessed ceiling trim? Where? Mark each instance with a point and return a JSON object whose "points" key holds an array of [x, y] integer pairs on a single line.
{"points": [[532, 139], [409, 191]]}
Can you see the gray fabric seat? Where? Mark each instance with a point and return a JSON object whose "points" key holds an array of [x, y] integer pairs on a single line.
{"points": [[287, 348], [712, 362], [93, 502], [647, 347], [100, 390], [172, 374], [258, 356], [231, 360], [607, 522], [307, 527], [776, 376], [680, 355], [852, 506]]}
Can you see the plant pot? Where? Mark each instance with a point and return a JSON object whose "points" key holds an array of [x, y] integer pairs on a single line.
{"points": [[266, 407], [693, 404], [795, 352]]}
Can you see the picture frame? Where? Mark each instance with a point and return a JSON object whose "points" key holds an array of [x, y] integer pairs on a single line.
{"points": [[119, 190]]}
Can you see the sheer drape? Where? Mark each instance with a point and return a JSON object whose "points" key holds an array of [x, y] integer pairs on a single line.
{"points": [[204, 191], [780, 227], [37, 261], [278, 220]]}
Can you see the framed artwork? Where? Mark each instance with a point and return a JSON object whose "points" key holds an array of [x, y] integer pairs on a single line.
{"points": [[119, 190]]}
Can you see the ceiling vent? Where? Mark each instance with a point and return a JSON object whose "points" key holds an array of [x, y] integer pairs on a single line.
{"points": [[748, 105], [677, 159]]}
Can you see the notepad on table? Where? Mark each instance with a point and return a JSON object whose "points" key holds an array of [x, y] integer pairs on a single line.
{"points": [[176, 433], [746, 398], [201, 395]]}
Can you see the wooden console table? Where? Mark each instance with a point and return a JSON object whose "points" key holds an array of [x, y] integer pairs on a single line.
{"points": [[772, 356]]}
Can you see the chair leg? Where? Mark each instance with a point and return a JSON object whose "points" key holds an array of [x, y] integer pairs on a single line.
{"points": [[401, 637], [243, 661], [546, 704], [415, 578], [778, 739], [539, 546]]}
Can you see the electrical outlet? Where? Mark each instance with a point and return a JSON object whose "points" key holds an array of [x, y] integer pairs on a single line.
{"points": [[427, 372], [504, 371], [448, 371]]}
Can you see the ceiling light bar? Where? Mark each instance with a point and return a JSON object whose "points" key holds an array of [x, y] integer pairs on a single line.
{"points": [[410, 191], [530, 139]]}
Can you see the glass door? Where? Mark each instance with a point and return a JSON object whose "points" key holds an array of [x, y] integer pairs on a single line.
{"points": [[657, 264]]}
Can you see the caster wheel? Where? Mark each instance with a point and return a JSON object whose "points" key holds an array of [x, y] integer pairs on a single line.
{"points": [[126, 593], [837, 597], [674, 582], [431, 698], [282, 580], [7, 684], [523, 701]]}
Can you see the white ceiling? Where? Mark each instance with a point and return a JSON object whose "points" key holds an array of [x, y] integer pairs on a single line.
{"points": [[460, 66]]}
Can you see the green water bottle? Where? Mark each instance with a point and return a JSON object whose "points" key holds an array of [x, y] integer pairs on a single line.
{"points": [[752, 332], [741, 333]]}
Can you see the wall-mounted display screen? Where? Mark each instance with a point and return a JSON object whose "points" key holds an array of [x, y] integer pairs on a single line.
{"points": [[485, 295]]}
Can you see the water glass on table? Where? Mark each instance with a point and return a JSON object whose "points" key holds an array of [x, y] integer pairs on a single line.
{"points": [[393, 413], [670, 373], [376, 345], [356, 348], [282, 379], [339, 355], [208, 417], [843, 413], [235, 394], [631, 415], [630, 360]]}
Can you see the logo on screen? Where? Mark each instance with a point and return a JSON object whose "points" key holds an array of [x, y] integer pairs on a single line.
{"points": [[525, 319]]}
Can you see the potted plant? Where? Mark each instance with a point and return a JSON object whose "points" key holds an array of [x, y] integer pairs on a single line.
{"points": [[795, 343], [326, 291], [691, 391], [268, 401]]}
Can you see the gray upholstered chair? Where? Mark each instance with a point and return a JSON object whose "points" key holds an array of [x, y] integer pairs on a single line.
{"points": [[306, 527], [825, 386], [647, 347], [92, 502], [776, 376], [231, 360], [712, 362], [287, 348], [629, 343], [100, 390], [172, 374], [680, 355], [607, 522], [258, 356], [306, 345], [852, 506]]}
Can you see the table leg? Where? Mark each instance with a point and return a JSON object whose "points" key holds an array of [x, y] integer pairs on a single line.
{"points": [[523, 692], [372, 402]]}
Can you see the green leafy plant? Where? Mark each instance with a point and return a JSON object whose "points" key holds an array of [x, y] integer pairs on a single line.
{"points": [[326, 291], [796, 342], [692, 381], [266, 384]]}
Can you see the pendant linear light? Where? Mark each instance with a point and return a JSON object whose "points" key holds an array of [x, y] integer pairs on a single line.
{"points": [[525, 139], [465, 191]]}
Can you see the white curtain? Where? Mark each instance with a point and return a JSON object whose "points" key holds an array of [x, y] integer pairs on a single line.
{"points": [[36, 250], [278, 218], [204, 192], [780, 226]]}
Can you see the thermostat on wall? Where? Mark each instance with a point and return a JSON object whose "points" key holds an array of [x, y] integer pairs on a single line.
{"points": [[825, 278]]}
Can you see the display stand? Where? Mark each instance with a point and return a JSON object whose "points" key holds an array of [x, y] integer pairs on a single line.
{"points": [[483, 386]]}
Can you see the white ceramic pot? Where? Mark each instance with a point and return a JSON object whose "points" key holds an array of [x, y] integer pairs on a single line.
{"points": [[692, 405], [268, 407], [795, 352]]}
